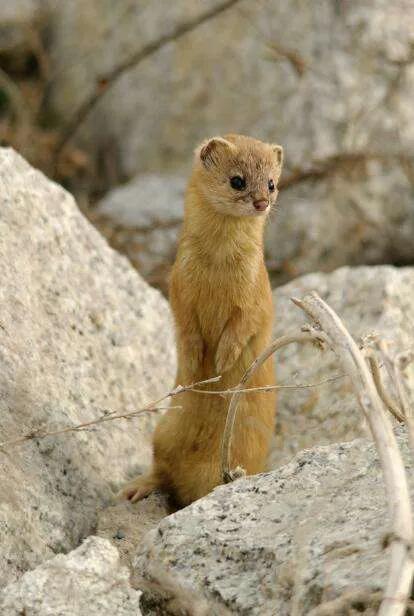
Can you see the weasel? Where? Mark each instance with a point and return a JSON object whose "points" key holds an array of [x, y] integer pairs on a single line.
{"points": [[222, 304]]}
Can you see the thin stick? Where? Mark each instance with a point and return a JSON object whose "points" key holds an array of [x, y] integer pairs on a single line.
{"points": [[153, 407], [395, 366], [226, 472], [150, 407], [401, 571], [84, 426], [265, 388], [391, 405], [108, 80], [400, 360]]}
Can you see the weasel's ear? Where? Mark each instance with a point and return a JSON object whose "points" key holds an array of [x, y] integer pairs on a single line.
{"points": [[278, 150], [209, 151]]}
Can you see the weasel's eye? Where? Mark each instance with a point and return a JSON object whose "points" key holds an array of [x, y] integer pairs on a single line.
{"points": [[238, 183], [271, 185]]}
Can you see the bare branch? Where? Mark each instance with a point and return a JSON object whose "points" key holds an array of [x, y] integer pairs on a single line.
{"points": [[227, 474], [108, 80], [395, 366], [265, 388], [353, 362], [391, 405], [283, 53], [151, 407]]}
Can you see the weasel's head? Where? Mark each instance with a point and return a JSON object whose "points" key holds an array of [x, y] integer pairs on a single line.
{"points": [[238, 175]]}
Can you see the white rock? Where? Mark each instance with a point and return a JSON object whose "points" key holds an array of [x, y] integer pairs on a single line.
{"points": [[278, 543], [320, 226], [87, 582], [81, 334]]}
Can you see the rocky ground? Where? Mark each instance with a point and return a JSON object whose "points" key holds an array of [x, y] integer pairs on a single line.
{"points": [[81, 336]]}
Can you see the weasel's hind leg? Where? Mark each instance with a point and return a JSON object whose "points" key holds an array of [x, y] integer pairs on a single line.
{"points": [[138, 488]]}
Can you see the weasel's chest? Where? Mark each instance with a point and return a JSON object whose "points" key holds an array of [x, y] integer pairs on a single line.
{"points": [[219, 294]]}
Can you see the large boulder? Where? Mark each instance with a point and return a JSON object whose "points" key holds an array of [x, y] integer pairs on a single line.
{"points": [[87, 582], [142, 219], [368, 299], [279, 543], [81, 336], [362, 214], [321, 83]]}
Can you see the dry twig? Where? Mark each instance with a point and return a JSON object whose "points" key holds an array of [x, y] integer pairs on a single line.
{"points": [[283, 53], [153, 407], [395, 366], [226, 472], [391, 405], [149, 408]]}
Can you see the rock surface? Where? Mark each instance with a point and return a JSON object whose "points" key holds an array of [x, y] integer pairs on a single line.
{"points": [[81, 335], [368, 299], [87, 582], [322, 80], [279, 543], [125, 524], [142, 220]]}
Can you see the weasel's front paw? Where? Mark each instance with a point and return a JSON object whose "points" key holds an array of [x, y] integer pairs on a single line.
{"points": [[228, 352], [194, 354]]}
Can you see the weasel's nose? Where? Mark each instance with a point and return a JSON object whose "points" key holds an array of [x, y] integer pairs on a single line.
{"points": [[260, 205]]}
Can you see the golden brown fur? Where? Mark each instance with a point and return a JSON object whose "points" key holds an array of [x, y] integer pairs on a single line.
{"points": [[221, 300]]}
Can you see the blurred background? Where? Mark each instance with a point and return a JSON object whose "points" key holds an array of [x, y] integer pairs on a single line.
{"points": [[110, 99]]}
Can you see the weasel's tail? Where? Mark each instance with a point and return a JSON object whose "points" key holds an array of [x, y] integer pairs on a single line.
{"points": [[138, 488]]}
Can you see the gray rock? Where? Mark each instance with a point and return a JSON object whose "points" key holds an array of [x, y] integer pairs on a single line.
{"points": [[320, 226], [87, 582], [142, 220], [368, 299], [81, 335], [278, 543]]}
